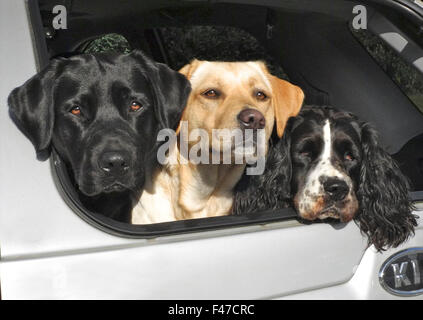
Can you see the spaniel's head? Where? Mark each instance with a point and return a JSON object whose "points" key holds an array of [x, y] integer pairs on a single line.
{"points": [[339, 170], [326, 158]]}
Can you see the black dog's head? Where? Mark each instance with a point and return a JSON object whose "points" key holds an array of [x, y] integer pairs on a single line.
{"points": [[330, 164], [102, 114]]}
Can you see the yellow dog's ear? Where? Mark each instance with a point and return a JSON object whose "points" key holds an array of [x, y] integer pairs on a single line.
{"points": [[287, 99], [188, 69], [287, 102]]}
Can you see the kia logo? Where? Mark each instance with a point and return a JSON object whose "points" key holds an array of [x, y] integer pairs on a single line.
{"points": [[402, 273]]}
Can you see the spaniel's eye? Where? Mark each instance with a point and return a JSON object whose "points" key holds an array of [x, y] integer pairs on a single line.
{"points": [[75, 110], [305, 154], [135, 106], [261, 95], [349, 156], [212, 93]]}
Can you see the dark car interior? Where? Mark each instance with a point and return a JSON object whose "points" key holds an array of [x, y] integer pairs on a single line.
{"points": [[311, 43]]}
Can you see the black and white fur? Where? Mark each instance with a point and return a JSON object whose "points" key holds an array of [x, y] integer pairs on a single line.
{"points": [[331, 165]]}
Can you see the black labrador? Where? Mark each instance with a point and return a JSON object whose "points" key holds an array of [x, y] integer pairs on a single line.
{"points": [[102, 114]]}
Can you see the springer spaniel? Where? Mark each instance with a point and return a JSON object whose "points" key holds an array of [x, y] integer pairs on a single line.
{"points": [[330, 165]]}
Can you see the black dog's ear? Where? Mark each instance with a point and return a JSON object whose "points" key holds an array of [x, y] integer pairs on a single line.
{"points": [[385, 214], [31, 108], [272, 189], [171, 90]]}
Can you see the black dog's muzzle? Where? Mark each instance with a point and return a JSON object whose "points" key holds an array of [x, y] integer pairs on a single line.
{"points": [[115, 163]]}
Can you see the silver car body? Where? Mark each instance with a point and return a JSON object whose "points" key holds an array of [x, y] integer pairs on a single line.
{"points": [[49, 252]]}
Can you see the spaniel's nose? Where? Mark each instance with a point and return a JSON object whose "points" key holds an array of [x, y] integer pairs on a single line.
{"points": [[114, 162], [336, 189], [251, 119]]}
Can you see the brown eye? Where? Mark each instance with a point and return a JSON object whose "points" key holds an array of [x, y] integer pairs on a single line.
{"points": [[76, 110], [212, 93], [305, 154], [348, 156], [261, 96], [135, 106]]}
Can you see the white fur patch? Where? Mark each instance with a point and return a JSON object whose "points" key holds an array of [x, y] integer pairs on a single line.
{"points": [[313, 187], [153, 207], [324, 167]]}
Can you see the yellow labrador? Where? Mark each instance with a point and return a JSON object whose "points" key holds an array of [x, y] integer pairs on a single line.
{"points": [[225, 95]]}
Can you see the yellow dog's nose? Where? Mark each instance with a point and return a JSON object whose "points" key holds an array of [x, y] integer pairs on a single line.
{"points": [[251, 119]]}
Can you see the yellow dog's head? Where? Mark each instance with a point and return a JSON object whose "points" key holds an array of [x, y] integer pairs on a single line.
{"points": [[244, 95]]}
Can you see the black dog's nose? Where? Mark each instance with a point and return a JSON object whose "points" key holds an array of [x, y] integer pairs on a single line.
{"points": [[336, 188], [251, 119], [114, 163]]}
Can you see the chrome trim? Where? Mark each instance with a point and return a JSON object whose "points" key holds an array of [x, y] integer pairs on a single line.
{"points": [[388, 263], [419, 3]]}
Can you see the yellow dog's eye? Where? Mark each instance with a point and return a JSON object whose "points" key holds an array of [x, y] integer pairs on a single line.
{"points": [[135, 106], [261, 95], [212, 93], [75, 110]]}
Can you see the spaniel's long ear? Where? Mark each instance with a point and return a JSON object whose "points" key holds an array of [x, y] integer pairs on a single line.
{"points": [[31, 108], [385, 209], [272, 189], [171, 90]]}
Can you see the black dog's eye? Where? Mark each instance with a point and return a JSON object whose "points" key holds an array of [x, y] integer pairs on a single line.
{"points": [[135, 106], [75, 110], [349, 156], [212, 94], [260, 95]]}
